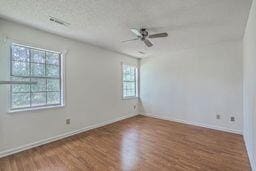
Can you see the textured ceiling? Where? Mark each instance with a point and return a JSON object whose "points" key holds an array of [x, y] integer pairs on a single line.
{"points": [[189, 23]]}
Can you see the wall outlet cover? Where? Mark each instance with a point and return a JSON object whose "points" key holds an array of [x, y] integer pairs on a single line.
{"points": [[232, 119], [218, 116], [67, 121]]}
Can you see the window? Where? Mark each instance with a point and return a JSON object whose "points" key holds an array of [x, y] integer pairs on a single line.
{"points": [[35, 65], [129, 81]]}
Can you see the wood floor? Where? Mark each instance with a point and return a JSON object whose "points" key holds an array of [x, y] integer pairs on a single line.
{"points": [[138, 143]]}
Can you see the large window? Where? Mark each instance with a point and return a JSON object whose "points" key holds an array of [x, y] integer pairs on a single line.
{"points": [[129, 81], [38, 66]]}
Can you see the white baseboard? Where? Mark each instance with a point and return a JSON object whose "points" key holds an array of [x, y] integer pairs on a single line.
{"points": [[196, 124], [251, 155], [61, 136]]}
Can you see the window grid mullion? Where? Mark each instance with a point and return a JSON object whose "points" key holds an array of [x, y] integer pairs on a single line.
{"points": [[35, 62], [135, 81], [60, 77], [36, 92], [11, 50], [46, 84], [30, 93], [35, 77]]}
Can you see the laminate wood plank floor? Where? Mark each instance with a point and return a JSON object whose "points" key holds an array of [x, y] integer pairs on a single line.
{"points": [[137, 143]]}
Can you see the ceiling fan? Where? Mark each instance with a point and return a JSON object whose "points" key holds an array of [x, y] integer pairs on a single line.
{"points": [[144, 36]]}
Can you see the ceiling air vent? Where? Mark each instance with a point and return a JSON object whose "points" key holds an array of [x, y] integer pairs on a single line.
{"points": [[59, 21]]}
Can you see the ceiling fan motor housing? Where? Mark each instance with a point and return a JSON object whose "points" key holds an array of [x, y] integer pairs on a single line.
{"points": [[144, 33]]}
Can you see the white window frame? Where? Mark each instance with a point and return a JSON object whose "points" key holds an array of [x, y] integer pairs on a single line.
{"points": [[136, 81], [62, 81]]}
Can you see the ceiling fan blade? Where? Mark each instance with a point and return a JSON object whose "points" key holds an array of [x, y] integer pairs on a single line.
{"points": [[148, 43], [158, 35], [130, 40], [137, 32]]}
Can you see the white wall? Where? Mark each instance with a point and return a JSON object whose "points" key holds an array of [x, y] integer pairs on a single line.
{"points": [[93, 89], [250, 86], [194, 85]]}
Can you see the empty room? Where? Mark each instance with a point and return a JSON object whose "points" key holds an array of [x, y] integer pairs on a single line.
{"points": [[128, 85]]}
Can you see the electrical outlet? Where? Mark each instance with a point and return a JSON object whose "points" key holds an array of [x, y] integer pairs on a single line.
{"points": [[217, 116], [232, 119], [68, 121]]}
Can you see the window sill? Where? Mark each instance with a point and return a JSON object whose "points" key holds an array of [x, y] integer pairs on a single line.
{"points": [[35, 108], [129, 98]]}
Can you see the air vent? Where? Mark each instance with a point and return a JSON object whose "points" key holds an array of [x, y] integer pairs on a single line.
{"points": [[59, 21]]}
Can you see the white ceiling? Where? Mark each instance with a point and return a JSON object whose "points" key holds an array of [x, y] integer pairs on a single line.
{"points": [[189, 23]]}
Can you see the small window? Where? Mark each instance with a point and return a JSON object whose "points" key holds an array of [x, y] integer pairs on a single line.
{"points": [[40, 66], [129, 81]]}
